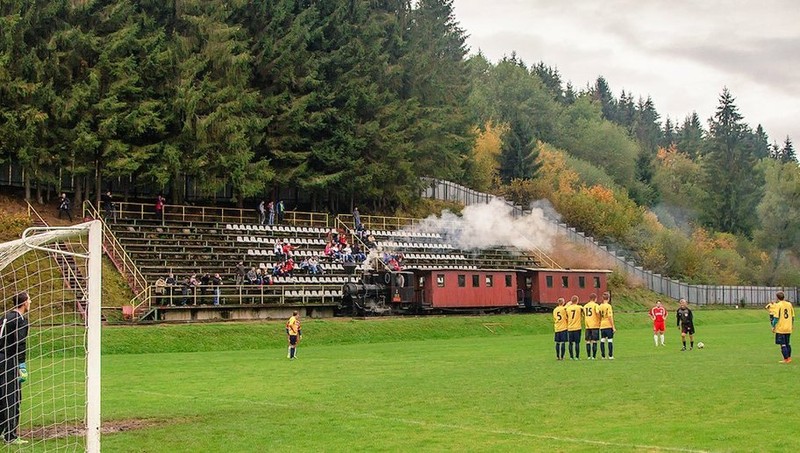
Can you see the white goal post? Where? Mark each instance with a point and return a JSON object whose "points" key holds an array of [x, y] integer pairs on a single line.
{"points": [[61, 270]]}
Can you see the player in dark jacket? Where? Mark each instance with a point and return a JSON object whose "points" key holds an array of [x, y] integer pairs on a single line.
{"points": [[13, 371], [686, 324]]}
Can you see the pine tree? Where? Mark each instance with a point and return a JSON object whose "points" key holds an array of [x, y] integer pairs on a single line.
{"points": [[519, 155], [787, 153], [602, 94], [691, 136], [733, 182]]}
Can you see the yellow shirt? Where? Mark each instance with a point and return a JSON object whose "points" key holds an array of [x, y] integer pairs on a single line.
{"points": [[772, 307], [574, 317], [785, 317], [606, 315], [591, 315], [560, 318], [293, 325]]}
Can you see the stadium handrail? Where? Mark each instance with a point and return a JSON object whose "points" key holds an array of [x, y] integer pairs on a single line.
{"points": [[187, 213], [67, 272], [122, 261], [341, 223]]}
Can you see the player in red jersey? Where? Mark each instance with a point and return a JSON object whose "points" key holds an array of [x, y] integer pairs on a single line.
{"points": [[658, 314]]}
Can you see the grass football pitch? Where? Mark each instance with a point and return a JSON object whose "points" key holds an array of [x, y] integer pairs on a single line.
{"points": [[449, 384]]}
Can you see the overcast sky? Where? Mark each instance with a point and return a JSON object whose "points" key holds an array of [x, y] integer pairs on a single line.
{"points": [[682, 53]]}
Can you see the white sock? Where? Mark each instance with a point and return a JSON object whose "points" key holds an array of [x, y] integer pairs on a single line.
{"points": [[655, 338], [662, 339]]}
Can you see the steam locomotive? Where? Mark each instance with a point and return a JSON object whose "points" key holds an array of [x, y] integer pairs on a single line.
{"points": [[450, 290]]}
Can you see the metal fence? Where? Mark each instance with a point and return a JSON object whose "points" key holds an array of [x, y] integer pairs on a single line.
{"points": [[675, 289]]}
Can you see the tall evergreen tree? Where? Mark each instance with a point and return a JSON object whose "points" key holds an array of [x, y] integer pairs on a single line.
{"points": [[787, 152], [646, 125], [601, 93], [551, 79], [519, 156], [691, 136], [217, 109], [733, 182]]}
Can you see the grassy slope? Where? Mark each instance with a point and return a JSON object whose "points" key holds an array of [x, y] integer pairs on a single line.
{"points": [[444, 384]]}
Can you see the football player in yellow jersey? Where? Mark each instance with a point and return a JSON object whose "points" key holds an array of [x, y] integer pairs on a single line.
{"points": [[607, 328], [295, 334], [783, 328], [591, 317], [772, 308], [560, 326], [574, 325]]}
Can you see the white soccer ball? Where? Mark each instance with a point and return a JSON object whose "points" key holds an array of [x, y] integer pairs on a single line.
{"points": [[700, 345]]}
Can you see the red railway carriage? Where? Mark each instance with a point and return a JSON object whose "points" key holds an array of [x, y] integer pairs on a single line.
{"points": [[545, 286], [466, 289]]}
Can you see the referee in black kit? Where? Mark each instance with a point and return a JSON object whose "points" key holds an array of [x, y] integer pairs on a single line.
{"points": [[13, 371]]}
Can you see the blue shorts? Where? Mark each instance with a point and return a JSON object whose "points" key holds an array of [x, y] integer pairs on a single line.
{"points": [[607, 333], [561, 337], [782, 338], [293, 340], [574, 336], [592, 334]]}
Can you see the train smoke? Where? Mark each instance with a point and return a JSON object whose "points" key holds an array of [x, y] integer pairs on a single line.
{"points": [[483, 226]]}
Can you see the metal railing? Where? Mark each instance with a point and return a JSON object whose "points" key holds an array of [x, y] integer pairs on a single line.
{"points": [[185, 213], [122, 261], [70, 275], [340, 223]]}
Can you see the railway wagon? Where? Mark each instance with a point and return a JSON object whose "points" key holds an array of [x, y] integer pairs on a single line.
{"points": [[541, 288], [461, 289]]}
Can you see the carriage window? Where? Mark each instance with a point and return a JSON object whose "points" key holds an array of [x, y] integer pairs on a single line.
{"points": [[476, 281], [582, 282], [489, 280], [528, 282], [565, 282], [440, 280], [508, 281], [462, 281], [549, 281], [596, 282], [422, 282]]}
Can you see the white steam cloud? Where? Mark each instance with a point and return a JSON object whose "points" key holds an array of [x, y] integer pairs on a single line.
{"points": [[483, 226]]}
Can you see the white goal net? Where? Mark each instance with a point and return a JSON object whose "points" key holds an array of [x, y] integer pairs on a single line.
{"points": [[60, 270]]}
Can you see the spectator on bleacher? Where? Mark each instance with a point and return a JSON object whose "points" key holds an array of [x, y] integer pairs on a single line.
{"points": [[288, 249], [172, 284], [357, 219], [370, 242], [393, 264], [186, 287], [159, 208], [329, 250], [108, 206], [276, 268], [216, 282], [160, 290], [280, 210], [64, 206], [314, 266], [288, 267], [346, 254], [277, 250], [332, 236], [271, 212], [358, 255], [241, 272], [262, 213], [205, 280], [342, 238], [252, 276]]}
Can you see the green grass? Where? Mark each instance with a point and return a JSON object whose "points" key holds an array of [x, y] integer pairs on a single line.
{"points": [[445, 384]]}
